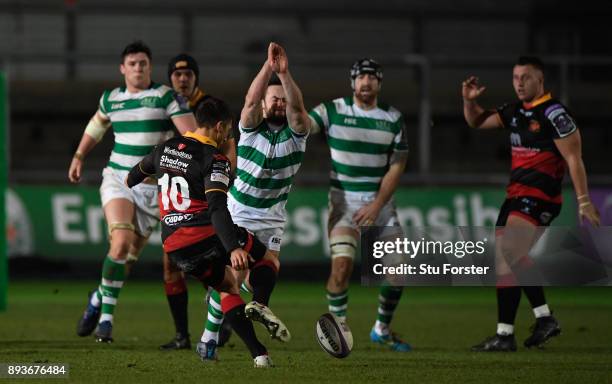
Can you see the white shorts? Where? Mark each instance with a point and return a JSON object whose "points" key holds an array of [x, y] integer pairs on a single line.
{"points": [[270, 237], [268, 225], [343, 205], [143, 196]]}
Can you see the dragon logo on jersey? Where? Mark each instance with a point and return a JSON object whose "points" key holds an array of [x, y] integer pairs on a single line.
{"points": [[534, 126]]}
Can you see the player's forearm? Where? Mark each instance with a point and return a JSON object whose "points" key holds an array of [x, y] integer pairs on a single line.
{"points": [[258, 87], [222, 220], [578, 175], [474, 114], [296, 113], [135, 176], [86, 144], [251, 114], [390, 181]]}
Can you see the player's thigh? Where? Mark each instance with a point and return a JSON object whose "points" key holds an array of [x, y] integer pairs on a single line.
{"points": [[517, 238], [119, 210]]}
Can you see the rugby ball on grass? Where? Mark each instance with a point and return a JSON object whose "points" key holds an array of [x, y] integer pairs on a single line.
{"points": [[334, 336]]}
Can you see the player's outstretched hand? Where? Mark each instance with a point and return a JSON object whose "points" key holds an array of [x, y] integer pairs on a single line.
{"points": [[277, 58], [74, 172], [240, 259], [471, 88], [588, 211]]}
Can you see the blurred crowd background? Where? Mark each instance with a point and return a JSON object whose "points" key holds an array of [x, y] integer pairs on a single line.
{"points": [[60, 56]]}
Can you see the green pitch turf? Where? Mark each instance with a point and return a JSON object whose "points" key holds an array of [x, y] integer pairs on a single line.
{"points": [[441, 324]]}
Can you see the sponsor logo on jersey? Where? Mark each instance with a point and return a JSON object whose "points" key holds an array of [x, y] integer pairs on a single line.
{"points": [[350, 121], [181, 146], [177, 218], [179, 153], [117, 106], [220, 178], [168, 162], [560, 119]]}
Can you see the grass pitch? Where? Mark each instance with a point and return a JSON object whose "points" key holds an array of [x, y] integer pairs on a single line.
{"points": [[440, 323]]}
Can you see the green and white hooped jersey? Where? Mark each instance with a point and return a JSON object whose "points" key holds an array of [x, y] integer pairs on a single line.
{"points": [[267, 161], [361, 142], [140, 121]]}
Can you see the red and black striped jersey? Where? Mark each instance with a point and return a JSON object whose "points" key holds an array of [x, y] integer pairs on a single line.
{"points": [[537, 165], [193, 177]]}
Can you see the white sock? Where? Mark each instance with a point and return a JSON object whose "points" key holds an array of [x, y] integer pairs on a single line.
{"points": [[95, 301], [505, 329], [381, 328], [541, 311], [208, 335], [106, 317]]}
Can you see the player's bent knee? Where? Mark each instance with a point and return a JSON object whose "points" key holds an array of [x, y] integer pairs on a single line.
{"points": [[343, 246], [172, 276], [112, 227], [273, 258], [510, 253], [121, 236]]}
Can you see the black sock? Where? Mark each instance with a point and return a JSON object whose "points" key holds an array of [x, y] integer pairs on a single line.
{"points": [[244, 328], [262, 279], [535, 294], [508, 299], [178, 308]]}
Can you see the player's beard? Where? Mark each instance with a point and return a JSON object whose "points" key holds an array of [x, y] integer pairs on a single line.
{"points": [[276, 117], [368, 97]]}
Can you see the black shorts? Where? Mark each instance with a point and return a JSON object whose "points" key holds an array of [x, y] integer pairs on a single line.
{"points": [[538, 212], [206, 259]]}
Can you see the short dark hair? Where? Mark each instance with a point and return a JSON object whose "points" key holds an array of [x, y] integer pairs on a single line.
{"points": [[136, 47], [534, 61], [274, 80], [211, 110]]}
